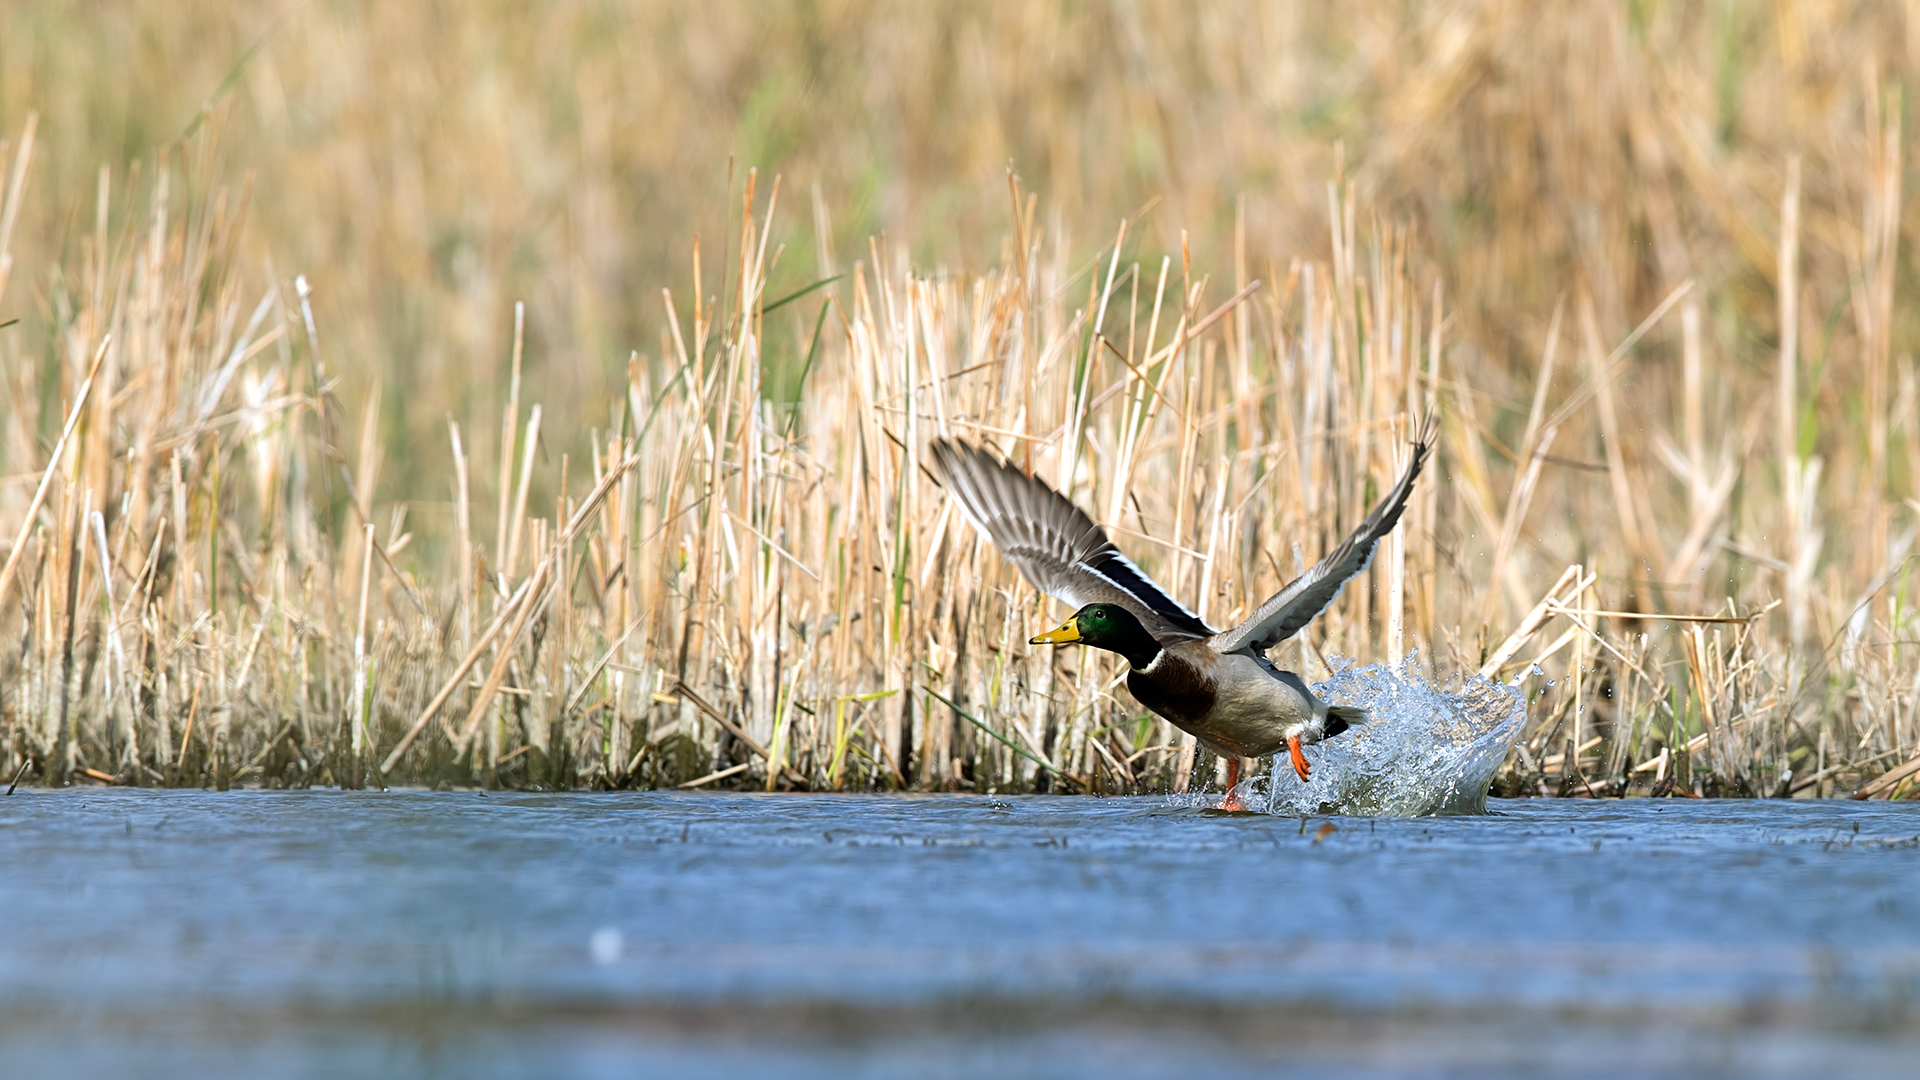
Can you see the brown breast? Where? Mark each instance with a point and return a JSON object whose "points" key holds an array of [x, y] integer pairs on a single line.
{"points": [[1178, 688]]}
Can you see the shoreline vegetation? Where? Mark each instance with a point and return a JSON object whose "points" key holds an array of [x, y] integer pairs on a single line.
{"points": [[1677, 503]]}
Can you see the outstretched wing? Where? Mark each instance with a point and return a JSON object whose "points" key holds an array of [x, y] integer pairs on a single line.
{"points": [[1056, 546], [1286, 612]]}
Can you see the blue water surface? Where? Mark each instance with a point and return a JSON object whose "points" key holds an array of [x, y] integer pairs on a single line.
{"points": [[478, 935]]}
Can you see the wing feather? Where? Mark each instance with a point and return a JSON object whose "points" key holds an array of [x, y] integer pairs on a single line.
{"points": [[1055, 545], [1288, 611]]}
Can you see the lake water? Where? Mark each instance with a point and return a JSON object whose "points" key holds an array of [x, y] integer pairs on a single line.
{"points": [[469, 935]]}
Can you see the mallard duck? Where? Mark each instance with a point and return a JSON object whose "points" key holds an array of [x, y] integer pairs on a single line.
{"points": [[1219, 686]]}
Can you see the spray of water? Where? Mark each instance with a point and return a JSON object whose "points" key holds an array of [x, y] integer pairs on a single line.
{"points": [[1428, 749]]}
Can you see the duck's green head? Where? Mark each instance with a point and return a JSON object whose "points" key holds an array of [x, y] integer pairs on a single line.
{"points": [[1105, 626]]}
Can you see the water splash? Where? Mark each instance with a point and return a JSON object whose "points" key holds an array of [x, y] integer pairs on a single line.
{"points": [[1427, 750]]}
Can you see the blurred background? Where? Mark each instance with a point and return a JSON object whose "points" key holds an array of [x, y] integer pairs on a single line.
{"points": [[426, 165]]}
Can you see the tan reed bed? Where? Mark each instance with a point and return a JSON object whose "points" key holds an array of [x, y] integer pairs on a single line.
{"points": [[208, 582]]}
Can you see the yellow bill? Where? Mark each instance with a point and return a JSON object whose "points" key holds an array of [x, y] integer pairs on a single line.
{"points": [[1068, 633]]}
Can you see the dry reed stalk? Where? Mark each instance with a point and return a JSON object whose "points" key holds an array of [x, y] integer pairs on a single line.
{"points": [[16, 189], [1788, 401], [509, 428], [1573, 579], [1534, 447], [357, 713], [46, 478], [463, 523], [517, 520]]}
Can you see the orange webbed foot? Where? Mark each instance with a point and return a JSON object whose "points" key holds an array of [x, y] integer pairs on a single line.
{"points": [[1300, 766]]}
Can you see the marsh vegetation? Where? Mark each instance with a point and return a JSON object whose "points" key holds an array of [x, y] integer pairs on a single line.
{"points": [[389, 403]]}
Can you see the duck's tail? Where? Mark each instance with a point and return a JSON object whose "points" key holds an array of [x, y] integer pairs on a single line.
{"points": [[1342, 717]]}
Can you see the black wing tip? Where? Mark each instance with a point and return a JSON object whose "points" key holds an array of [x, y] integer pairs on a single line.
{"points": [[1429, 431], [1426, 437], [1386, 515]]}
